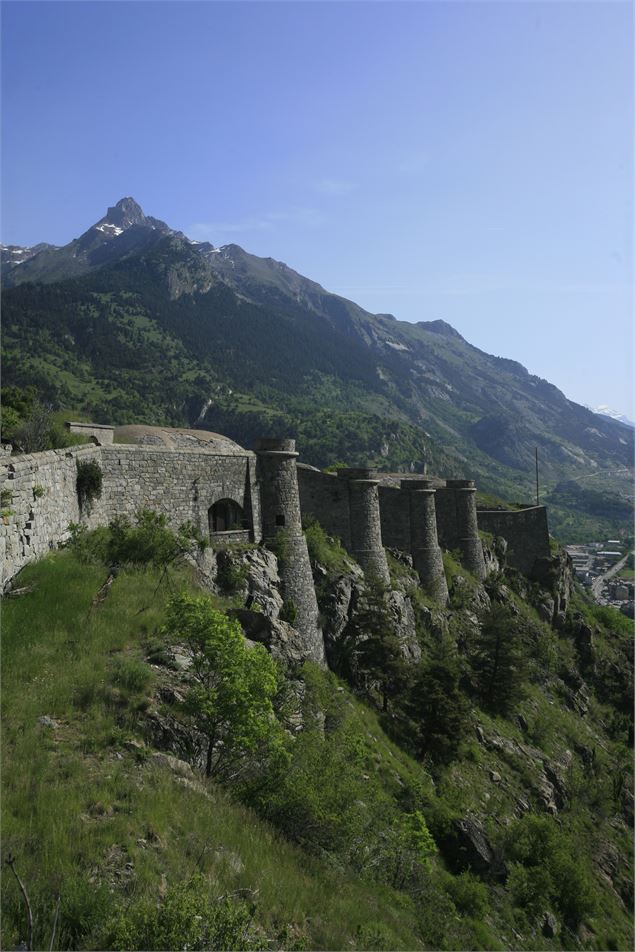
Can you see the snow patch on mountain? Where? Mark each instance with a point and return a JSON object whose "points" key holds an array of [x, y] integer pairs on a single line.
{"points": [[109, 229]]}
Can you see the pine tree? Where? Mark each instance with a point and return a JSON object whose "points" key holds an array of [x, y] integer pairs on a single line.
{"points": [[498, 661], [378, 656], [438, 710]]}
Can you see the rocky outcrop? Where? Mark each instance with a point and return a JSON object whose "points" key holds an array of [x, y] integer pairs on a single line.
{"points": [[467, 847], [403, 622], [494, 553], [282, 640], [341, 600], [555, 576]]}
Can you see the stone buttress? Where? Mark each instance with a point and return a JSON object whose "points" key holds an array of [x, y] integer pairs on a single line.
{"points": [[467, 537], [424, 543], [282, 526], [365, 522]]}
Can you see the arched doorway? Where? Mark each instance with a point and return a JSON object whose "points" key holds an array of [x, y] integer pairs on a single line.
{"points": [[226, 516]]}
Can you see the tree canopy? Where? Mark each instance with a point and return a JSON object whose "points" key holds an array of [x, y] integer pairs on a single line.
{"points": [[231, 698]]}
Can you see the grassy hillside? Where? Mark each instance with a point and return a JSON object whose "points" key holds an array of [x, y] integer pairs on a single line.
{"points": [[93, 818], [332, 853]]}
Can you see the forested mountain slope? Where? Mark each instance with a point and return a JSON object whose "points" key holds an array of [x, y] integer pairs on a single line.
{"points": [[133, 322]]}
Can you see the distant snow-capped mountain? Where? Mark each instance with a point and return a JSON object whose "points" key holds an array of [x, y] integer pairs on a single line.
{"points": [[613, 414]]}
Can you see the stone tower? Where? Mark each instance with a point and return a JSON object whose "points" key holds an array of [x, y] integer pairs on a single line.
{"points": [[466, 523], [282, 523], [365, 522], [424, 544]]}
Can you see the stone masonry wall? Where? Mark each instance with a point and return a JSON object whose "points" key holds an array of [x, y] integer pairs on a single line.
{"points": [[525, 530], [39, 500], [394, 505], [282, 527], [325, 498], [365, 520], [182, 485], [424, 543], [447, 529]]}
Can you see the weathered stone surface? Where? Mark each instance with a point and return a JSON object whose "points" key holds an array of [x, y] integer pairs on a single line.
{"points": [[282, 640], [166, 733], [365, 522], [555, 575], [494, 553], [282, 526], [47, 721], [337, 608], [546, 610], [424, 542], [468, 847], [550, 926], [175, 764], [525, 531], [403, 620]]}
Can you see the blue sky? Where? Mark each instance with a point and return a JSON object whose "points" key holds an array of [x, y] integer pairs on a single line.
{"points": [[465, 161]]}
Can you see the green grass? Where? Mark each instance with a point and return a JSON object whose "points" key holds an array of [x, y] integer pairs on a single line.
{"points": [[76, 799], [80, 801]]}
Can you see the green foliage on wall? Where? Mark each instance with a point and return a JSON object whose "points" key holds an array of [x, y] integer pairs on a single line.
{"points": [[89, 482]]}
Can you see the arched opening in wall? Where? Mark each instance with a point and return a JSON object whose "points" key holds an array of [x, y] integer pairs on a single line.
{"points": [[227, 516]]}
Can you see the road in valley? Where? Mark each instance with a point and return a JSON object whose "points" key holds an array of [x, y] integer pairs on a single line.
{"points": [[596, 585]]}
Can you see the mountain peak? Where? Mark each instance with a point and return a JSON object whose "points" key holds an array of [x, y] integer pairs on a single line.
{"points": [[125, 213], [440, 327]]}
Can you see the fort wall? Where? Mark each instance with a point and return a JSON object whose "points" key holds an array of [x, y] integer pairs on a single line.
{"points": [[424, 543], [39, 500], [324, 498], [41, 496], [365, 521], [181, 484], [457, 523], [525, 530], [395, 518], [282, 528]]}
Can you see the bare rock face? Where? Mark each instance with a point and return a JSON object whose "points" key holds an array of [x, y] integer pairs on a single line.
{"points": [[253, 574], [340, 601], [556, 575], [166, 734], [474, 599], [337, 607], [583, 636], [550, 925], [495, 555], [403, 619], [284, 643], [467, 847]]}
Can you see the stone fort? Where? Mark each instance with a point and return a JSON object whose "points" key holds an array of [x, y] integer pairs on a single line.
{"points": [[237, 495]]}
